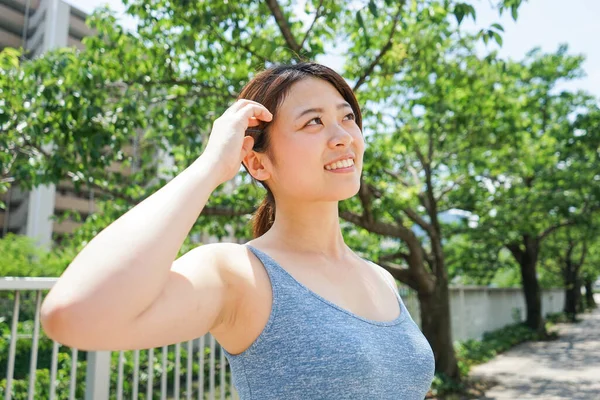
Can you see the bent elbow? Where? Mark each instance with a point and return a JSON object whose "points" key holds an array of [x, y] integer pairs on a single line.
{"points": [[55, 321]]}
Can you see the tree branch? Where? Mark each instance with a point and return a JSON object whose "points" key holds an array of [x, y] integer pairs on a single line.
{"points": [[516, 251], [583, 254], [377, 227], [553, 228], [317, 15], [363, 77], [422, 160], [448, 190], [283, 24], [430, 144], [417, 219], [402, 274], [238, 44], [391, 257], [364, 194], [397, 177]]}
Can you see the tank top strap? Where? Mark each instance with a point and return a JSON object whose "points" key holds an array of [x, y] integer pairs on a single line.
{"points": [[283, 282], [276, 273]]}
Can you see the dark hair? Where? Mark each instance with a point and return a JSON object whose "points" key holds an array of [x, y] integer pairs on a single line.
{"points": [[269, 88]]}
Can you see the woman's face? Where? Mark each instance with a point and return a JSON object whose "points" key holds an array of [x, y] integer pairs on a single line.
{"points": [[312, 128]]}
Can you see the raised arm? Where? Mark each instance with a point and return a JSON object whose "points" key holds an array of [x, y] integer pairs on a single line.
{"points": [[124, 290]]}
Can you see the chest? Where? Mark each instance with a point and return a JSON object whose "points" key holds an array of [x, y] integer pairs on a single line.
{"points": [[329, 353], [359, 291]]}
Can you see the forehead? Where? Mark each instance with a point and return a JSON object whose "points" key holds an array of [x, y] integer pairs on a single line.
{"points": [[309, 93]]}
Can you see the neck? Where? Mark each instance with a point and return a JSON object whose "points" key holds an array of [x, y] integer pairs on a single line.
{"points": [[309, 228]]}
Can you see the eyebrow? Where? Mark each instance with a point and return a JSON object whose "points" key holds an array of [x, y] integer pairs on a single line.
{"points": [[320, 110]]}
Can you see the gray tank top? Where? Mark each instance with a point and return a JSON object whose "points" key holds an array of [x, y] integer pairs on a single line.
{"points": [[313, 349]]}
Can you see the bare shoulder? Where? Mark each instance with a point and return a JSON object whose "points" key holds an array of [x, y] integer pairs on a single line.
{"points": [[232, 259], [387, 275], [238, 273]]}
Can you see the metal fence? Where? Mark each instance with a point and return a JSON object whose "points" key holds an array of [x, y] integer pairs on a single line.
{"points": [[169, 372]]}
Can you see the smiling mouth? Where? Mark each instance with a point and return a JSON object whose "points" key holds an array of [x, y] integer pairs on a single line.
{"points": [[340, 165]]}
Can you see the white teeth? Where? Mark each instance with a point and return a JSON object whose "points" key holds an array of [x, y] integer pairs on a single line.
{"points": [[340, 164]]}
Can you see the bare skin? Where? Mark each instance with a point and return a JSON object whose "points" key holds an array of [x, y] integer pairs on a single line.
{"points": [[125, 290], [361, 289]]}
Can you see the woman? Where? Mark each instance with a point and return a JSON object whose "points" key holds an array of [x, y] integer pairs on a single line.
{"points": [[298, 313]]}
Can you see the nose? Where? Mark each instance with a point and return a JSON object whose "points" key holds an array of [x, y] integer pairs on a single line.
{"points": [[340, 137]]}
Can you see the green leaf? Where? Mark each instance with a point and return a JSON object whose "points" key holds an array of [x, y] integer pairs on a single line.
{"points": [[373, 8], [461, 10], [360, 20], [498, 27], [498, 37], [459, 13]]}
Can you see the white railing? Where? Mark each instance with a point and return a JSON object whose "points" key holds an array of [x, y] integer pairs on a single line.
{"points": [[105, 374]]}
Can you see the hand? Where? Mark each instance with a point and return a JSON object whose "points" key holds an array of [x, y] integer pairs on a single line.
{"points": [[228, 144]]}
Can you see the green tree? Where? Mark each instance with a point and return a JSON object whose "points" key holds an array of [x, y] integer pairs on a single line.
{"points": [[590, 272], [565, 251], [543, 180]]}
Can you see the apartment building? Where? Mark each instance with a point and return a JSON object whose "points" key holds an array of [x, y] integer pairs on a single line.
{"points": [[39, 26]]}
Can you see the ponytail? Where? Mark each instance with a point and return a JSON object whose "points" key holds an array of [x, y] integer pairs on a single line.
{"points": [[265, 215]]}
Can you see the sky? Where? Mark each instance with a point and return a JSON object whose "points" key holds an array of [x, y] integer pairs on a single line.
{"points": [[541, 23]]}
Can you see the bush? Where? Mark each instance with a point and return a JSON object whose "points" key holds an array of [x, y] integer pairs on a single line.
{"points": [[559, 317], [42, 381], [21, 257], [472, 352], [23, 350]]}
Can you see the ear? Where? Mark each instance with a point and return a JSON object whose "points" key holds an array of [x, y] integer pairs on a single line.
{"points": [[258, 165]]}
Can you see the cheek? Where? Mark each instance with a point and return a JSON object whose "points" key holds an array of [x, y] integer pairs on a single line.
{"points": [[294, 157], [359, 139]]}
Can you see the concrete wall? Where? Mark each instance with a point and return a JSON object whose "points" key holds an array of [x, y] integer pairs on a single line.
{"points": [[476, 310]]}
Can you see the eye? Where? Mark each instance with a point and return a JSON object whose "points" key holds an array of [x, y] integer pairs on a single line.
{"points": [[309, 122], [351, 115]]}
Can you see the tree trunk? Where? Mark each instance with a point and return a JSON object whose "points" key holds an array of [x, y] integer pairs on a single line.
{"points": [[435, 324], [578, 297], [571, 298], [533, 297], [589, 293], [527, 256]]}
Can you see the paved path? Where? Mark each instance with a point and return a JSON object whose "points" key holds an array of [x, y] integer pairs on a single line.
{"points": [[564, 369]]}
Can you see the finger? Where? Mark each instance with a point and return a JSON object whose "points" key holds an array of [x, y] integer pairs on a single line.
{"points": [[241, 103], [255, 113], [253, 121]]}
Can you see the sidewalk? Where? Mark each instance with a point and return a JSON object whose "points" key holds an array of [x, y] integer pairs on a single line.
{"points": [[564, 369]]}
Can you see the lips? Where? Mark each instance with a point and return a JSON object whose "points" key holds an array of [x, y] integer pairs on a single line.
{"points": [[342, 158], [344, 164]]}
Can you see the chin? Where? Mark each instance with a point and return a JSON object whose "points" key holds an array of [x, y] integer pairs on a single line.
{"points": [[346, 193]]}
